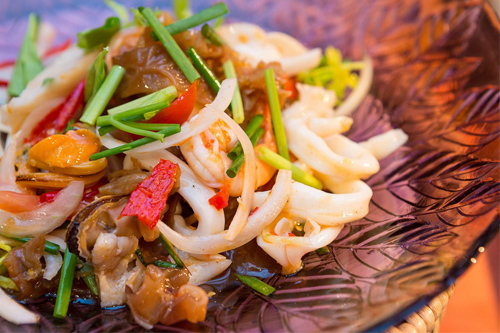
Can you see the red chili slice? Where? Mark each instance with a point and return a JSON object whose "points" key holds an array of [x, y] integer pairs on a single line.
{"points": [[149, 199], [221, 198]]}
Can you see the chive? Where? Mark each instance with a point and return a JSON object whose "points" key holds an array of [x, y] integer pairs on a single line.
{"points": [[168, 93], [138, 18], [28, 63], [136, 131], [182, 9], [65, 285], [252, 126], [195, 20], [171, 46], [134, 144], [171, 251], [119, 9], [92, 38], [322, 250], [206, 72], [163, 264], [138, 253], [103, 95], [106, 129], [274, 106], [133, 114], [88, 276], [96, 75], [150, 126], [280, 162], [236, 102], [235, 167], [50, 247], [256, 284], [209, 33]]}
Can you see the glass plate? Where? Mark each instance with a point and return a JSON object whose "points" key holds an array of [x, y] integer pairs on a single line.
{"points": [[435, 201]]}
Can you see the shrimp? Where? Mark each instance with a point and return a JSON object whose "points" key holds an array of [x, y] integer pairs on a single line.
{"points": [[206, 154]]}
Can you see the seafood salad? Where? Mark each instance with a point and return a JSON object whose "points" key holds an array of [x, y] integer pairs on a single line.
{"points": [[135, 157]]}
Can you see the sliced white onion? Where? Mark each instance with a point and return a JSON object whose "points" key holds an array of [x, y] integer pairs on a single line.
{"points": [[218, 243], [360, 91], [8, 168], [46, 217], [53, 263], [37, 100], [15, 312], [384, 144], [210, 220], [204, 269], [245, 201]]}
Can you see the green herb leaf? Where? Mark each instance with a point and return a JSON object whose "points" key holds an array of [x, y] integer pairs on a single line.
{"points": [[96, 75], [274, 106], [28, 63], [256, 284], [92, 38]]}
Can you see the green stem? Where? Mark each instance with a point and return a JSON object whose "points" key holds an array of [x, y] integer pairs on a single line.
{"points": [[171, 251], [235, 167], [166, 94], [203, 16], [274, 106], [50, 247], [88, 276], [136, 131], [209, 33], [134, 144], [101, 99], [252, 126], [170, 45], [256, 284], [206, 72], [279, 162], [65, 285], [133, 114], [236, 102]]}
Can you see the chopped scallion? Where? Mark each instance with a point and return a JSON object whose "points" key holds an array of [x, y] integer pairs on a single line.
{"points": [[28, 63], [171, 46], [134, 144], [251, 128], [95, 75], [236, 102], [274, 106], [133, 114], [171, 251], [90, 39], [65, 285], [103, 95], [209, 33], [205, 71], [88, 276], [119, 9], [168, 93], [277, 161], [256, 284], [195, 20], [218, 22], [159, 263], [235, 167], [137, 131]]}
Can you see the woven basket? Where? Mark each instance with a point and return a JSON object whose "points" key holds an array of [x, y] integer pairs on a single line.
{"points": [[426, 319]]}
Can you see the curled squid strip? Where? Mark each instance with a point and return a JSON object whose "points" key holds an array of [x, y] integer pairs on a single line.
{"points": [[261, 218], [384, 144]]}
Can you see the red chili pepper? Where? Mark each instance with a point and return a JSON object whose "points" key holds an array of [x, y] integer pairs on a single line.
{"points": [[149, 199], [58, 118], [290, 234], [7, 63], [221, 198], [253, 211], [4, 83], [290, 86], [88, 195], [180, 109], [58, 48]]}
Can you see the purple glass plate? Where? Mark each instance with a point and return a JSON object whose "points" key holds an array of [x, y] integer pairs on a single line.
{"points": [[435, 201]]}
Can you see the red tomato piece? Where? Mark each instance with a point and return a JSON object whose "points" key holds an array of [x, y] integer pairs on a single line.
{"points": [[57, 120], [149, 199], [180, 109], [14, 202]]}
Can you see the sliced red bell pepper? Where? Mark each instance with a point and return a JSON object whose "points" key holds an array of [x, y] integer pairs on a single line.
{"points": [[57, 120], [88, 194], [221, 198], [180, 109], [149, 199], [4, 83]]}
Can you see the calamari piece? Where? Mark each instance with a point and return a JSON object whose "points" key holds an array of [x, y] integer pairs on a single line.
{"points": [[112, 257], [384, 144], [261, 218], [53, 263], [255, 45], [348, 202], [15, 312], [210, 220], [279, 242], [319, 145], [203, 268], [37, 100]]}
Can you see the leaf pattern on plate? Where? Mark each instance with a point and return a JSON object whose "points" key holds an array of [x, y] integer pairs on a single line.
{"points": [[435, 200]]}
